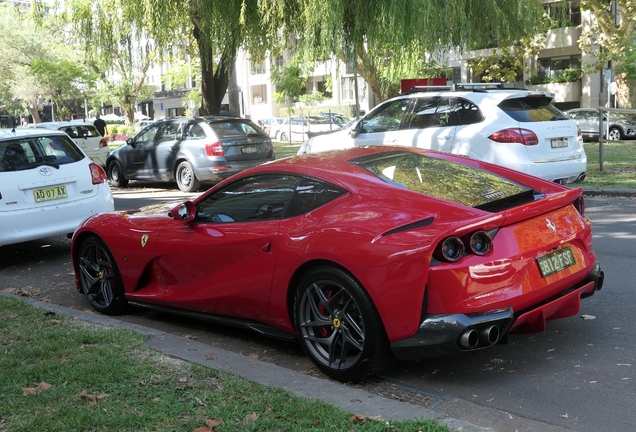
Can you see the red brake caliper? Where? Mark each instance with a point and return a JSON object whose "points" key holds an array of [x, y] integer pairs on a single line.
{"points": [[324, 330]]}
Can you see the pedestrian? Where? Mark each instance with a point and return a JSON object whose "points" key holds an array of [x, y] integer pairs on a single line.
{"points": [[100, 125], [24, 122], [224, 110]]}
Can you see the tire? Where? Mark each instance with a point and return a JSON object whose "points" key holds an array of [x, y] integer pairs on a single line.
{"points": [[283, 136], [338, 326], [100, 280], [116, 175], [614, 134], [187, 181]]}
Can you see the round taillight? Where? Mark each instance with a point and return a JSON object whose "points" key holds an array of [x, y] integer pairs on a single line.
{"points": [[480, 243], [452, 249]]}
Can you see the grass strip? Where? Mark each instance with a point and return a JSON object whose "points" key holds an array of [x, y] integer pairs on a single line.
{"points": [[619, 166], [58, 373]]}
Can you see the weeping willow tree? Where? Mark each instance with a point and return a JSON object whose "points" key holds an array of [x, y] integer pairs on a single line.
{"points": [[386, 40], [116, 46]]}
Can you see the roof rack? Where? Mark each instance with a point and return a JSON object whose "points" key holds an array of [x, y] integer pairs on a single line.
{"points": [[418, 89], [477, 86]]}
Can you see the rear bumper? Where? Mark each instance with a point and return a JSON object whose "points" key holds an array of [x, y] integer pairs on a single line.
{"points": [[445, 334], [223, 170]]}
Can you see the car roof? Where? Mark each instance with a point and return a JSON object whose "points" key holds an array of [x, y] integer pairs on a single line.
{"points": [[59, 124], [7, 134]]}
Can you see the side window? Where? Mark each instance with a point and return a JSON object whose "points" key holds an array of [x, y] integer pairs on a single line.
{"points": [[148, 134], [433, 111], [195, 131], [575, 115], [311, 194], [466, 112], [386, 118], [250, 199], [169, 132]]}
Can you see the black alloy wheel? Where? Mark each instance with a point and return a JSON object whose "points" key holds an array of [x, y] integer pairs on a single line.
{"points": [[100, 280], [338, 326]]}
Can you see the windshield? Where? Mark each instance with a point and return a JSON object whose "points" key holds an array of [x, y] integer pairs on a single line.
{"points": [[446, 180]]}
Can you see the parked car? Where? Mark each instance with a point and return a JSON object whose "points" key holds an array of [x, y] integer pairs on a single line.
{"points": [[518, 129], [85, 135], [190, 151], [47, 185], [270, 125], [300, 128], [587, 119], [363, 255]]}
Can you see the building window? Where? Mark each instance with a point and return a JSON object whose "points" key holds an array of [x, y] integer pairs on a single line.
{"points": [[349, 91], [258, 68], [279, 61], [456, 74], [554, 66]]}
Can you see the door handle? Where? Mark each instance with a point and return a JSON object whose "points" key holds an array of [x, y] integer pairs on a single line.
{"points": [[267, 247]]}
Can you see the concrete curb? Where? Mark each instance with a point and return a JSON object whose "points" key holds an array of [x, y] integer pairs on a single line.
{"points": [[628, 193], [347, 398]]}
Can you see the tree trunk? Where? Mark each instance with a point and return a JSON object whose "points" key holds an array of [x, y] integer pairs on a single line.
{"points": [[214, 81], [233, 92], [624, 98], [33, 109]]}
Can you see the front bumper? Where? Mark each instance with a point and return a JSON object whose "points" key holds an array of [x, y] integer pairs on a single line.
{"points": [[444, 334]]}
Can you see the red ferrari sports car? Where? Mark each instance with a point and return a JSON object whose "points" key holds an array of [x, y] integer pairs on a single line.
{"points": [[363, 256]]}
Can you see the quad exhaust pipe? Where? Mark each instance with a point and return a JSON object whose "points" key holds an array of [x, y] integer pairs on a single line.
{"points": [[487, 336]]}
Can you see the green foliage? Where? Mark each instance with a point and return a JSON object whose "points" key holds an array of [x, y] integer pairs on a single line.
{"points": [[504, 67], [290, 83]]}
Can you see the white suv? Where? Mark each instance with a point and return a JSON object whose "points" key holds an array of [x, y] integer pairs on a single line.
{"points": [[518, 129]]}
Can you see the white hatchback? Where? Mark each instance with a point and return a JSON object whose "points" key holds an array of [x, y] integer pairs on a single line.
{"points": [[518, 129], [85, 135], [47, 185]]}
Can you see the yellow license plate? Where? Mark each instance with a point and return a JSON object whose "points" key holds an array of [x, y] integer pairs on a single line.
{"points": [[49, 194], [556, 261]]}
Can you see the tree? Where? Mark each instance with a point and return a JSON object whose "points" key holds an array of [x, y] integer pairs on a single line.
{"points": [[113, 34], [22, 48], [611, 29], [386, 40]]}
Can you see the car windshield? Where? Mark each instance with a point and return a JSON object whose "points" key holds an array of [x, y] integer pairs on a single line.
{"points": [[446, 180], [31, 152], [233, 129], [532, 109]]}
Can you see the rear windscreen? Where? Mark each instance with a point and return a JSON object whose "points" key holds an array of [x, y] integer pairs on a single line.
{"points": [[238, 128], [446, 180], [31, 152], [532, 109]]}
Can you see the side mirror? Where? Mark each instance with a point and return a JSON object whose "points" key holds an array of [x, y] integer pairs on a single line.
{"points": [[185, 211], [356, 130], [129, 141]]}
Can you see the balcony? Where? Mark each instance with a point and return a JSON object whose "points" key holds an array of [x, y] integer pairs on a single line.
{"points": [[562, 38], [563, 92]]}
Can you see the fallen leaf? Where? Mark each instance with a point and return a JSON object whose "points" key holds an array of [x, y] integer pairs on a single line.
{"points": [[272, 415], [210, 357], [155, 400], [357, 419], [199, 401], [250, 418], [43, 386], [255, 356], [212, 423], [202, 429], [268, 407], [54, 321], [29, 390], [565, 415], [191, 337], [375, 418]]}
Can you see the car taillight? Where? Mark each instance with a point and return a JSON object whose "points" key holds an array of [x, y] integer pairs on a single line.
{"points": [[214, 149], [579, 137], [515, 135], [103, 143], [98, 175], [451, 249], [579, 205]]}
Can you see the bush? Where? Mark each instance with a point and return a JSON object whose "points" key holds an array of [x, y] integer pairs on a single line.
{"points": [[568, 75]]}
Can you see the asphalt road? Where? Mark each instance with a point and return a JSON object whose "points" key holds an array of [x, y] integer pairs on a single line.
{"points": [[578, 375]]}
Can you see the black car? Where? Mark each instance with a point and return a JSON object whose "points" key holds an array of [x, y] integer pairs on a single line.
{"points": [[587, 119], [189, 151]]}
